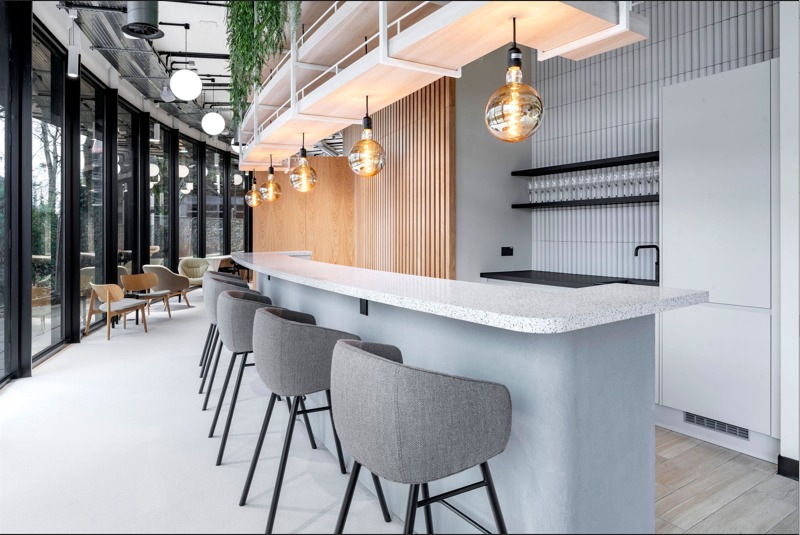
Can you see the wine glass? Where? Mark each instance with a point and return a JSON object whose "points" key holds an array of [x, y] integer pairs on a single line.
{"points": [[595, 180], [574, 187], [656, 177], [581, 184], [640, 178], [648, 175], [554, 186], [546, 190], [530, 191], [536, 189]]}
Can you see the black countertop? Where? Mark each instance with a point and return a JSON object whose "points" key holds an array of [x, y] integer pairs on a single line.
{"points": [[567, 280]]}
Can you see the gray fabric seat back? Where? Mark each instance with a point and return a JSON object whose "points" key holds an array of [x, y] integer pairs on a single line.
{"points": [[235, 313], [214, 286], [411, 425], [293, 355], [208, 292]]}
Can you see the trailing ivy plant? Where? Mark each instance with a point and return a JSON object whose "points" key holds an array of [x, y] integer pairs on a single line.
{"points": [[256, 34]]}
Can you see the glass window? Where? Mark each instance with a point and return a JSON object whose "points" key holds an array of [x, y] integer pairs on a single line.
{"points": [[159, 196], [215, 190], [91, 195], [238, 189], [188, 156], [126, 192], [47, 107]]}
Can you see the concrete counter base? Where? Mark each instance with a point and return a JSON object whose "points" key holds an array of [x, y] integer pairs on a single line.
{"points": [[581, 458]]}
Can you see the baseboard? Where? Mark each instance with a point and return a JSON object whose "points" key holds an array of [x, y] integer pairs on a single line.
{"points": [[761, 446], [787, 467]]}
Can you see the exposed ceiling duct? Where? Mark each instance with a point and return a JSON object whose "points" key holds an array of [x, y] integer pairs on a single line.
{"points": [[143, 20]]}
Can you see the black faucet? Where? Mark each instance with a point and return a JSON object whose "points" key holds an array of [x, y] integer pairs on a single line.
{"points": [[636, 253]]}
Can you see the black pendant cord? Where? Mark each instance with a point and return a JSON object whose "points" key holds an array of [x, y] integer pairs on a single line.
{"points": [[367, 105], [514, 23]]}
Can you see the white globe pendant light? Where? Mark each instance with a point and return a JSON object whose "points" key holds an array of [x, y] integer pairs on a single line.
{"points": [[154, 170], [235, 147], [185, 84], [183, 171], [213, 123]]}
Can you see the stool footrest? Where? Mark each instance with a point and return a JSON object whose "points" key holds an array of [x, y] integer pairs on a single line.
{"points": [[450, 494], [317, 409]]}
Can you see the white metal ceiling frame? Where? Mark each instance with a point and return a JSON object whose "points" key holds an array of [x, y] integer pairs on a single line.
{"points": [[624, 25]]}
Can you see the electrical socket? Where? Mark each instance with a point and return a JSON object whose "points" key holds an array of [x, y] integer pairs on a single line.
{"points": [[506, 251]]}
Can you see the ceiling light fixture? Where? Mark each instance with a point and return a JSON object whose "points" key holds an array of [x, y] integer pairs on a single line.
{"points": [[213, 123], [154, 170], [167, 95], [183, 171], [185, 84], [73, 51], [367, 157], [253, 197], [514, 112], [303, 177], [156, 132], [270, 190]]}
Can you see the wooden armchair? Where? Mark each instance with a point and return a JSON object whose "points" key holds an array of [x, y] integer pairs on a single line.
{"points": [[114, 304], [142, 286]]}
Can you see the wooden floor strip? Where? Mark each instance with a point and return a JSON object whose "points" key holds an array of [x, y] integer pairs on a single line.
{"points": [[752, 512]]}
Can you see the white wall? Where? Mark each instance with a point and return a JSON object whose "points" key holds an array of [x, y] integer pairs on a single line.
{"points": [[790, 229], [485, 189], [58, 22]]}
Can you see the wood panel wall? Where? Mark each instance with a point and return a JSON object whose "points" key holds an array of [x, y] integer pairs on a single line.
{"points": [[321, 221], [405, 215]]}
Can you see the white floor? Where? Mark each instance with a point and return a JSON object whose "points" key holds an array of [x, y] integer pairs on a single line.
{"points": [[108, 436]]}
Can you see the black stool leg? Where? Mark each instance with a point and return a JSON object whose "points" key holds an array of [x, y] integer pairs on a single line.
{"points": [[276, 493], [411, 509], [308, 425], [222, 395], [207, 367], [211, 378], [209, 348], [427, 509], [204, 371], [493, 501], [230, 411], [342, 467], [256, 453], [381, 498], [205, 347], [348, 498]]}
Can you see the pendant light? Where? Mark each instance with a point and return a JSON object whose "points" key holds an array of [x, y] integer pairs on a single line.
{"points": [[213, 123], [253, 197], [514, 111], [303, 177], [270, 190], [367, 157], [185, 84]]}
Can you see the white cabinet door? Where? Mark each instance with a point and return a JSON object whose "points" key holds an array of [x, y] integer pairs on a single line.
{"points": [[715, 199], [716, 363]]}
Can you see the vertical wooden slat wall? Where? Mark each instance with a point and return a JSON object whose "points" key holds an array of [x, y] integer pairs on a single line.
{"points": [[405, 215], [321, 221]]}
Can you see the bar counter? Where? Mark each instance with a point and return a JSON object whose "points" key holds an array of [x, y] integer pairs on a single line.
{"points": [[580, 367]]}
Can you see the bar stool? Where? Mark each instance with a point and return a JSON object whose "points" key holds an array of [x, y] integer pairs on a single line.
{"points": [[212, 327], [235, 311], [214, 286], [440, 425], [293, 358]]}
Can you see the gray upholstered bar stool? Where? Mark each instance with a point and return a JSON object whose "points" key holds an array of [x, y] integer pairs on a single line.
{"points": [[293, 358], [443, 424], [212, 327], [235, 311], [212, 287]]}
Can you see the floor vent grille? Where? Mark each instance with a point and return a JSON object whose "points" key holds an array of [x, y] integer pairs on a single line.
{"points": [[716, 425]]}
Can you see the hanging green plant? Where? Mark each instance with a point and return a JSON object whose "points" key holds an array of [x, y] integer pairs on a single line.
{"points": [[256, 34]]}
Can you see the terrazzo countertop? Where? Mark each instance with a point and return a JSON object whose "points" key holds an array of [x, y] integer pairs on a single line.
{"points": [[513, 308]]}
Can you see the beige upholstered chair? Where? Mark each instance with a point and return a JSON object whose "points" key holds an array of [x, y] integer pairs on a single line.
{"points": [[114, 304], [193, 268], [121, 270], [143, 286], [168, 281]]}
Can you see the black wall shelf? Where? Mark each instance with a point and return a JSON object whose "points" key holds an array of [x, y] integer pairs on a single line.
{"points": [[594, 164], [587, 202]]}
